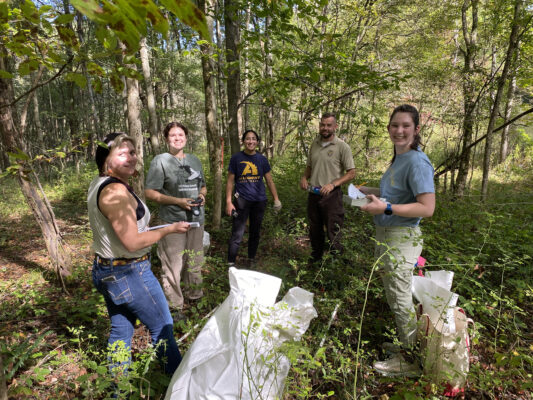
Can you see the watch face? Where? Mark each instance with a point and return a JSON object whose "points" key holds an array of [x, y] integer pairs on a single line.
{"points": [[388, 210]]}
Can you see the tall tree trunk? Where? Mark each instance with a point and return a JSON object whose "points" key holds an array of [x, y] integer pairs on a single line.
{"points": [[94, 120], [213, 139], [152, 114], [135, 129], [469, 102], [231, 19], [513, 44], [221, 86], [40, 206], [504, 144]]}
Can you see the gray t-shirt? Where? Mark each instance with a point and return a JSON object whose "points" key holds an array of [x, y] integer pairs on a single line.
{"points": [[409, 175], [178, 178]]}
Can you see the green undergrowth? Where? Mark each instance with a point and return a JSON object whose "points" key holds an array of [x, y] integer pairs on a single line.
{"points": [[53, 344]]}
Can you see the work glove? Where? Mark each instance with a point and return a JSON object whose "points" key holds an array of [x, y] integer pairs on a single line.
{"points": [[277, 205]]}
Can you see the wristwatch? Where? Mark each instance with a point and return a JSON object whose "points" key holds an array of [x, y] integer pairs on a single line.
{"points": [[388, 210]]}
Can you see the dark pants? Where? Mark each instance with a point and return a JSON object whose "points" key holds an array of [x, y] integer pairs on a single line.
{"points": [[255, 211], [325, 211]]}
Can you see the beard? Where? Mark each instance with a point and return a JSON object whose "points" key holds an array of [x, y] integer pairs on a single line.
{"points": [[326, 136]]}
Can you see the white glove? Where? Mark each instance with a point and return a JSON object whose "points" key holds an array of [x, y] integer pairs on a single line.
{"points": [[277, 205]]}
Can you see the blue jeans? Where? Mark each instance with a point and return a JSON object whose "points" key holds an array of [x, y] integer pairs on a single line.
{"points": [[255, 210], [132, 292]]}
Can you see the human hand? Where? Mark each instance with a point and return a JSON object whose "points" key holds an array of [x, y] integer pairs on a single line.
{"points": [[303, 183], [277, 205], [375, 206], [183, 202], [327, 189], [201, 195], [180, 227], [229, 208]]}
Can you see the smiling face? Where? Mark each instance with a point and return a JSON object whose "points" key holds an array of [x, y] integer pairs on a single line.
{"points": [[176, 139], [327, 128], [250, 142], [402, 131], [122, 160]]}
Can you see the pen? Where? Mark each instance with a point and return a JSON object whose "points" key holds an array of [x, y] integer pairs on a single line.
{"points": [[361, 184]]}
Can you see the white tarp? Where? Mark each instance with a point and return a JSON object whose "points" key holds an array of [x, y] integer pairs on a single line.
{"points": [[235, 355]]}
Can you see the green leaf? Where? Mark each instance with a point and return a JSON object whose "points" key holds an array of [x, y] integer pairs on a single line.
{"points": [[64, 19], [90, 8], [5, 74], [77, 78], [95, 69], [189, 14], [68, 36], [29, 11], [19, 155]]}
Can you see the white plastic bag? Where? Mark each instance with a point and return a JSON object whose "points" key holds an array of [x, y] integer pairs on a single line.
{"points": [[235, 355], [206, 241], [433, 292], [446, 355]]}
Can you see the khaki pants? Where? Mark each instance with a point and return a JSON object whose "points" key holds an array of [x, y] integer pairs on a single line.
{"points": [[182, 254], [403, 246]]}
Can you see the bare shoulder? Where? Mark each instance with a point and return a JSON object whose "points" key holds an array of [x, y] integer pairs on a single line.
{"points": [[113, 194]]}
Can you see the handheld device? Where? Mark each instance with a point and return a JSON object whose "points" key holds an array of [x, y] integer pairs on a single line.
{"points": [[194, 224], [195, 206]]}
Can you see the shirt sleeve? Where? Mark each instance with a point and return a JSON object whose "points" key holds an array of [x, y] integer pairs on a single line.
{"points": [[155, 179], [232, 167], [266, 166], [421, 178], [347, 158]]}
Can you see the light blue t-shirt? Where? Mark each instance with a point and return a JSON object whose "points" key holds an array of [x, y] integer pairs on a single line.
{"points": [[409, 175]]}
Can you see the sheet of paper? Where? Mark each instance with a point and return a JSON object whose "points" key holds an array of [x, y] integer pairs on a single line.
{"points": [[355, 193]]}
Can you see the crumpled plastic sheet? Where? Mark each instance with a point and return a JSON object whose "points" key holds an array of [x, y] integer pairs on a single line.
{"points": [[433, 291], [236, 355]]}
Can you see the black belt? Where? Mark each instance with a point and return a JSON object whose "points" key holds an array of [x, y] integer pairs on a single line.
{"points": [[119, 261]]}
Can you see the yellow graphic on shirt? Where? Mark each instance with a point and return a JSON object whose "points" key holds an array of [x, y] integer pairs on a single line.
{"points": [[250, 168], [250, 172]]}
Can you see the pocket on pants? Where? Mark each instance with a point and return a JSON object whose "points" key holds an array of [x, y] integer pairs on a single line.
{"points": [[118, 290]]}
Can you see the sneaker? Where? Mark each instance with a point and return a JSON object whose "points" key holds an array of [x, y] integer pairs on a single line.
{"points": [[397, 366]]}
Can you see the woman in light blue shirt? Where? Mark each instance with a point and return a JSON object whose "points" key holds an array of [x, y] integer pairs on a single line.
{"points": [[408, 189]]}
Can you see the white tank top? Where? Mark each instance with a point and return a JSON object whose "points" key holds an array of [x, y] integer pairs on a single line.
{"points": [[105, 241]]}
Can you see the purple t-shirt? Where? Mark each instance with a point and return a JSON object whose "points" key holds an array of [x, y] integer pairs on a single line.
{"points": [[249, 171]]}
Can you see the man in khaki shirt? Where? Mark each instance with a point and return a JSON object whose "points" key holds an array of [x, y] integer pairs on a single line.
{"points": [[329, 165]]}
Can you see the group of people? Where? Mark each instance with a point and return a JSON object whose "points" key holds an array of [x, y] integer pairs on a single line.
{"points": [[122, 238]]}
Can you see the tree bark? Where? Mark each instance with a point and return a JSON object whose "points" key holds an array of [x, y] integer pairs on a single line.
{"points": [[513, 44], [150, 98], [213, 139], [231, 19], [469, 103], [133, 111], [504, 144], [39, 206]]}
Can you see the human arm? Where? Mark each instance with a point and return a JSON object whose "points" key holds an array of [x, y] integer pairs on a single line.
{"points": [[229, 190], [347, 177], [203, 194], [272, 188], [118, 206], [161, 198], [424, 206], [304, 185]]}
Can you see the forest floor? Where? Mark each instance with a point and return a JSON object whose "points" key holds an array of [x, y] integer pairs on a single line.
{"points": [[53, 340]]}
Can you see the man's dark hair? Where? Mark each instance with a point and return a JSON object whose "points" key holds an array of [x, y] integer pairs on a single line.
{"points": [[328, 115]]}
